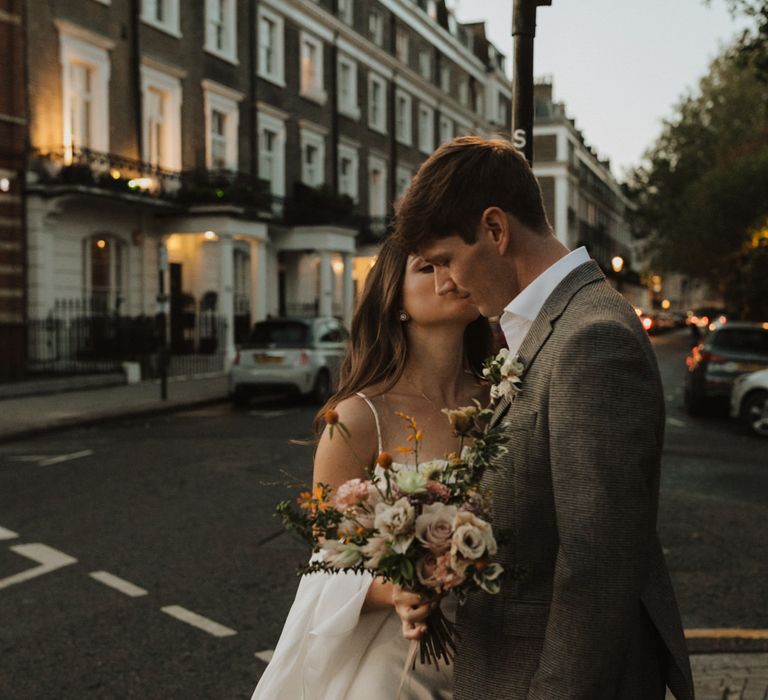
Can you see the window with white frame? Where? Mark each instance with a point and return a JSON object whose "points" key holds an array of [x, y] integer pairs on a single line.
{"points": [[104, 262], [377, 187], [162, 14], [312, 158], [426, 129], [347, 88], [85, 87], [403, 177], [221, 29], [503, 112], [312, 68], [377, 103], [464, 90], [344, 9], [479, 100], [376, 27], [161, 95], [446, 128], [403, 123], [271, 60], [425, 63], [348, 171], [402, 46], [272, 152], [445, 79], [222, 121]]}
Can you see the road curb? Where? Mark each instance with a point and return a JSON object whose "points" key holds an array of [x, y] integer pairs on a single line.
{"points": [[109, 417]]}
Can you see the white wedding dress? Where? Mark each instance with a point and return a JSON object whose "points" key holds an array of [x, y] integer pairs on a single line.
{"points": [[328, 650]]}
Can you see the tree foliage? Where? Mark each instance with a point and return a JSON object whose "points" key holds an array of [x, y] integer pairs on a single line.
{"points": [[702, 191], [752, 47]]}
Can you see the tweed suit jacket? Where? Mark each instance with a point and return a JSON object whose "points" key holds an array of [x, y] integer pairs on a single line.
{"points": [[586, 609]]}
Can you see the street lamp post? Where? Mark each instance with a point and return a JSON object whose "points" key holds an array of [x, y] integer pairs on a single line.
{"points": [[523, 31]]}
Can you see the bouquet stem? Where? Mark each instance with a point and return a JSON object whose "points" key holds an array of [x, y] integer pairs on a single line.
{"points": [[439, 642]]}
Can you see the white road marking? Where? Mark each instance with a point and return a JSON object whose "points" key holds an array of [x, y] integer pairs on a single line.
{"points": [[49, 460], [119, 584], [49, 559], [7, 534], [677, 423], [265, 656], [58, 459], [198, 621]]}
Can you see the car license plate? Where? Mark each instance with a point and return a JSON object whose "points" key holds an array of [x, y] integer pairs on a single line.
{"points": [[264, 359]]}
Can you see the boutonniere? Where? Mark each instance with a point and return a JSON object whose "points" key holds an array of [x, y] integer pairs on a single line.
{"points": [[504, 372]]}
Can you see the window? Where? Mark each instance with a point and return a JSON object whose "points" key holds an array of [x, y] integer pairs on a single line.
{"points": [[376, 28], [271, 62], [104, 275], [445, 79], [426, 129], [403, 125], [312, 69], [403, 177], [312, 158], [345, 11], [348, 171], [85, 88], [402, 46], [503, 113], [425, 64], [347, 77], [222, 117], [220, 34], [377, 187], [478, 99], [377, 103], [464, 90], [272, 152], [162, 14], [161, 94], [446, 129]]}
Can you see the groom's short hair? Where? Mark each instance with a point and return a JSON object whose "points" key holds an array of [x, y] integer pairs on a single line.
{"points": [[458, 182]]}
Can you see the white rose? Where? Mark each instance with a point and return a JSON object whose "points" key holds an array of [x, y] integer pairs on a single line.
{"points": [[340, 555], [396, 519], [434, 527], [472, 537]]}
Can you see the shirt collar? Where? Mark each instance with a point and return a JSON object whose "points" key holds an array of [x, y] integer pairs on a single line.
{"points": [[528, 302]]}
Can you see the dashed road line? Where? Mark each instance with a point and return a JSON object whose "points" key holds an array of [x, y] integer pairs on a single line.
{"points": [[265, 656], [726, 633], [49, 559], [198, 621], [65, 458], [119, 584], [6, 534]]}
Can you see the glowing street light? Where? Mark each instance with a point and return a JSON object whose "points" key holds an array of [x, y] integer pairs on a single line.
{"points": [[617, 263]]}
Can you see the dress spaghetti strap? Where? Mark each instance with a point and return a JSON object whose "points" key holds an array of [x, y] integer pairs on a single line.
{"points": [[375, 416]]}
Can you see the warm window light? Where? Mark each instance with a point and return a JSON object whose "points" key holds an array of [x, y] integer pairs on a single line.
{"points": [[665, 304], [210, 236], [617, 262], [338, 267], [5, 184], [101, 243], [114, 174]]}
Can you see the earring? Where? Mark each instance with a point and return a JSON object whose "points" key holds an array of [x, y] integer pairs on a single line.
{"points": [[404, 316]]}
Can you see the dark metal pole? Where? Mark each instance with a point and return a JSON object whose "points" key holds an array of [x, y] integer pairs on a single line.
{"points": [[523, 31]]}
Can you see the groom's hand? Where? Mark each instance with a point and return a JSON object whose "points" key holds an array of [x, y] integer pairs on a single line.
{"points": [[413, 611]]}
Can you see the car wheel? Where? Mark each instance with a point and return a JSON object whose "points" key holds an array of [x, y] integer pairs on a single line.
{"points": [[754, 413], [321, 391]]}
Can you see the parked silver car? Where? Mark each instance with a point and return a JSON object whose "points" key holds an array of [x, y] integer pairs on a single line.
{"points": [[289, 355], [749, 401]]}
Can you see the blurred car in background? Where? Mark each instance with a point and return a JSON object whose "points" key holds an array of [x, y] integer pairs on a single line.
{"points": [[727, 352], [656, 321], [289, 355], [749, 401]]}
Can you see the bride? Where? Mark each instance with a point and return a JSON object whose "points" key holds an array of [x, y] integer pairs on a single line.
{"points": [[413, 351]]}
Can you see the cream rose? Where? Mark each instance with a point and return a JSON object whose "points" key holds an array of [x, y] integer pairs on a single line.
{"points": [[472, 537], [434, 527], [396, 519]]}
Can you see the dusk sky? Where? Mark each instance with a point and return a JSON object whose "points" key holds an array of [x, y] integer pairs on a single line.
{"points": [[619, 65]]}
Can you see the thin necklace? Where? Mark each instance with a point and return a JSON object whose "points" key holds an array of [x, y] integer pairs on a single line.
{"points": [[408, 379]]}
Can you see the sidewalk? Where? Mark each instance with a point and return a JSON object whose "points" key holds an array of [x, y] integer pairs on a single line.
{"points": [[31, 415], [730, 676]]}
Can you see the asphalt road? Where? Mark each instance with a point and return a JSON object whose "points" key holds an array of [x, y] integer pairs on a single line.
{"points": [[179, 506]]}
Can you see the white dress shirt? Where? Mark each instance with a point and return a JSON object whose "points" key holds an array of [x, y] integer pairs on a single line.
{"points": [[520, 313]]}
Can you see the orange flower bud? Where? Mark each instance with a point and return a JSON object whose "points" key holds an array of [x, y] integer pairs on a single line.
{"points": [[331, 417], [384, 460]]}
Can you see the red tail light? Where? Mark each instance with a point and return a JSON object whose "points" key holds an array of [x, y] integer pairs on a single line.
{"points": [[712, 358], [304, 358]]}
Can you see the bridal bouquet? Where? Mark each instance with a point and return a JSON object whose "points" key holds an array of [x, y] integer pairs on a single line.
{"points": [[422, 525]]}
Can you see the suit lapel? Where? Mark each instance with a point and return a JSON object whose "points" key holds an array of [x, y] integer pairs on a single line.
{"points": [[542, 325]]}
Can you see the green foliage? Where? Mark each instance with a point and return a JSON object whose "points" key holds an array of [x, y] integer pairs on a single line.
{"points": [[703, 189]]}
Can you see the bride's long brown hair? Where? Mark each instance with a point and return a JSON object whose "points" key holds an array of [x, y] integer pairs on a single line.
{"points": [[379, 346]]}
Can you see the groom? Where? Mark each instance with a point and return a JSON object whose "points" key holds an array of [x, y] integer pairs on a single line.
{"points": [[588, 612]]}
